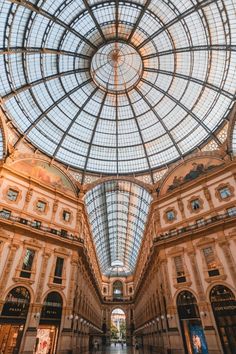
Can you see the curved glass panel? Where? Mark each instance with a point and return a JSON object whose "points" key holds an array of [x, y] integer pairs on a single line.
{"points": [[1, 145], [117, 87], [234, 140], [117, 212]]}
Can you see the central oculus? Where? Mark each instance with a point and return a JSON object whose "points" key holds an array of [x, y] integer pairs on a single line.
{"points": [[116, 67]]}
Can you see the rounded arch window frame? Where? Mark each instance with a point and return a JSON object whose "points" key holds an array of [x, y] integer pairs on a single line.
{"points": [[118, 281]]}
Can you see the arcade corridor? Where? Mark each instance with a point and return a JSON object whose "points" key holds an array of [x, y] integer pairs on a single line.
{"points": [[117, 176]]}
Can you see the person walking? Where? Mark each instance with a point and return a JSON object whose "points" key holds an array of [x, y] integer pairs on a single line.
{"points": [[95, 346]]}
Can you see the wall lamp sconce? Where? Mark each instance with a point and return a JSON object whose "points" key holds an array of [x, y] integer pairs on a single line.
{"points": [[37, 315], [157, 319], [169, 316], [70, 317], [162, 317], [203, 314]]}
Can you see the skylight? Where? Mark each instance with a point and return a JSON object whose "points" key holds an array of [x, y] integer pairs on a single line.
{"points": [[117, 87]]}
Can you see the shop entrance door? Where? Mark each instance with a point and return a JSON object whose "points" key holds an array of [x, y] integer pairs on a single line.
{"points": [[10, 338], [191, 325], [13, 319], [224, 308], [49, 324], [46, 339]]}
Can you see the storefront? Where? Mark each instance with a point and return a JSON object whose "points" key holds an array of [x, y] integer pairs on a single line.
{"points": [[49, 325], [224, 308], [12, 320], [191, 325]]}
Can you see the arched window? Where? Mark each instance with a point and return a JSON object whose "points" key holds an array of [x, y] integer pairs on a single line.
{"points": [[52, 307], [13, 319], [117, 289], [224, 308], [190, 323], [187, 305], [17, 303]]}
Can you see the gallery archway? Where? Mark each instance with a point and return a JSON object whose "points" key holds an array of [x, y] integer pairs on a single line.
{"points": [[118, 327]]}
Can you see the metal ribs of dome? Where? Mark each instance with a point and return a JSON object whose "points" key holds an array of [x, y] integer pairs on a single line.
{"points": [[117, 117]]}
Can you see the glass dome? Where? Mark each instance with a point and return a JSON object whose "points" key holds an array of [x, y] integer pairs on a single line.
{"points": [[117, 87]]}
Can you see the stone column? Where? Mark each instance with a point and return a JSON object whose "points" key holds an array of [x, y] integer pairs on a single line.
{"points": [[181, 208], [165, 278], [7, 268], [73, 280], [224, 244], [54, 210], [156, 222], [79, 222], [192, 256], [28, 198], [207, 195], [45, 256]]}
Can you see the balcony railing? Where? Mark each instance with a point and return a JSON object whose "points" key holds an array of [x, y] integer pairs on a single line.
{"points": [[36, 226], [198, 225]]}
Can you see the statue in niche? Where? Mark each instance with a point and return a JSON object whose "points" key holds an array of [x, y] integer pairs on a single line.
{"points": [[196, 171]]}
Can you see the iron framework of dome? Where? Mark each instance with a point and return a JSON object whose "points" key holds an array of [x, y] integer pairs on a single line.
{"points": [[117, 87]]}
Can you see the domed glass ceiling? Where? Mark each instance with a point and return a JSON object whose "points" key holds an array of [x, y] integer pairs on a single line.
{"points": [[117, 87]]}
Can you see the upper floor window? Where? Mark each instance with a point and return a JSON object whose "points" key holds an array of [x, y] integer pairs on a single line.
{"points": [[12, 194], [170, 215], [195, 204], [118, 289], [58, 270], [66, 215], [179, 268], [210, 260], [225, 192], [27, 263], [41, 206]]}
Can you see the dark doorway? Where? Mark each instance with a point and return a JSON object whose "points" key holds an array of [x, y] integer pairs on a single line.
{"points": [[224, 308], [49, 325], [191, 325]]}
